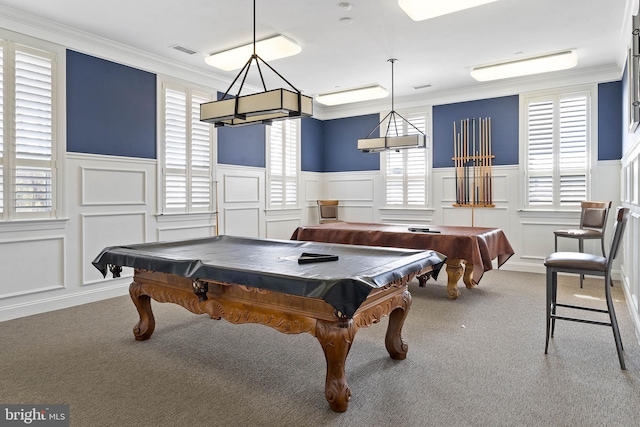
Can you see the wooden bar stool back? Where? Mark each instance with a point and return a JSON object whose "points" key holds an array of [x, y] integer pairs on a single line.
{"points": [[593, 221]]}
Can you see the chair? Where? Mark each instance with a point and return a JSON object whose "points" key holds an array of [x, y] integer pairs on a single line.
{"points": [[581, 263], [593, 221], [328, 211]]}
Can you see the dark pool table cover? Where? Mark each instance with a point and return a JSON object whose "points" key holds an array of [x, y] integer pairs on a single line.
{"points": [[273, 264]]}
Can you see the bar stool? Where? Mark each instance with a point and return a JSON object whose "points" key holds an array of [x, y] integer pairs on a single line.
{"points": [[327, 211], [581, 263]]}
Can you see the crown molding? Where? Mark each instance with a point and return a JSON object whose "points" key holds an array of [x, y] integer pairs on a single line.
{"points": [[90, 44], [507, 87]]}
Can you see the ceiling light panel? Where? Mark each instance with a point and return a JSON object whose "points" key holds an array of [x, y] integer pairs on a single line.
{"points": [[419, 10], [524, 67], [348, 96], [269, 49]]}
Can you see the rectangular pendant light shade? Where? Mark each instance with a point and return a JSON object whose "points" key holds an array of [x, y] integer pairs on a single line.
{"points": [[524, 67], [264, 107], [391, 143]]}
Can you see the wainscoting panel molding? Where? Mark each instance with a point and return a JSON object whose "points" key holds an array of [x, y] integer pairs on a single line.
{"points": [[105, 187], [32, 265], [109, 229]]}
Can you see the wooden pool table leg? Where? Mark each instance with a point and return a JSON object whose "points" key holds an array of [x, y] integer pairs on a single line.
{"points": [[336, 342], [467, 278], [145, 327], [396, 346], [454, 273]]}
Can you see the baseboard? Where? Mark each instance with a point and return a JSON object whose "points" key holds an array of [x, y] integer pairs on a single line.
{"points": [[635, 316], [45, 305]]}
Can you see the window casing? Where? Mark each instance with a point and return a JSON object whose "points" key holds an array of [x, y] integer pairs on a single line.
{"points": [[187, 148], [406, 170], [29, 187], [557, 152], [283, 149]]}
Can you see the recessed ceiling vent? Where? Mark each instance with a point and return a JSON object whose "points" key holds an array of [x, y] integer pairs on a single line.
{"points": [[183, 49]]}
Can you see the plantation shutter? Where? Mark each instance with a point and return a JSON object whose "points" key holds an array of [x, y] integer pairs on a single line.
{"points": [[557, 137], [276, 166], [283, 163], [540, 152], [175, 146], [187, 152], [33, 132], [573, 150], [200, 156], [2, 154], [291, 163], [406, 169]]}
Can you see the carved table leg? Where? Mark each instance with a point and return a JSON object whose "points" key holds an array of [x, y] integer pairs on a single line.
{"points": [[144, 328], [454, 273], [467, 278], [336, 343], [396, 346]]}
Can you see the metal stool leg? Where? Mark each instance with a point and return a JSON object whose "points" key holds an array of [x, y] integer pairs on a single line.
{"points": [[581, 250], [614, 322], [549, 291]]}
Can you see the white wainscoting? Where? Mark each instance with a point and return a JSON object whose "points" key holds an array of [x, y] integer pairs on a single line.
{"points": [[100, 230], [630, 194], [32, 265], [242, 201], [113, 200], [109, 200], [105, 187]]}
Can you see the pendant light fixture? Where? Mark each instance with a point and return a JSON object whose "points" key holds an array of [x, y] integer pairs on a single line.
{"points": [[397, 140], [259, 108]]}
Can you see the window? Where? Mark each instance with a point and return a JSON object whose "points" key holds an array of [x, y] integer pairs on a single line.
{"points": [[283, 141], [28, 150], [557, 146], [406, 169], [187, 152]]}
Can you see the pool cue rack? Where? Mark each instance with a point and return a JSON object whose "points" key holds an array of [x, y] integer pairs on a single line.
{"points": [[473, 158]]}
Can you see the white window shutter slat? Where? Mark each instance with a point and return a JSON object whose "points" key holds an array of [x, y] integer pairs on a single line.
{"points": [[33, 129], [1, 110], [283, 163]]}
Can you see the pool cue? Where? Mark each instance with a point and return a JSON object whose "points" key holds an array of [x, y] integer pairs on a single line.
{"points": [[465, 141], [484, 162], [490, 164], [215, 185], [455, 161], [474, 196]]}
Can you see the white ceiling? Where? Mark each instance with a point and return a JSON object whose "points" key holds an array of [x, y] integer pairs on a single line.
{"points": [[439, 52]]}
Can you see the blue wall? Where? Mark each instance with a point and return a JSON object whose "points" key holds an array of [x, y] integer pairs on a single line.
{"points": [[243, 146], [312, 136], [340, 144], [111, 108], [609, 114], [504, 128]]}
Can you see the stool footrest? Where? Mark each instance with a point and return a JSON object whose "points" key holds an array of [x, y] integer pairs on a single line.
{"points": [[575, 319], [576, 307]]}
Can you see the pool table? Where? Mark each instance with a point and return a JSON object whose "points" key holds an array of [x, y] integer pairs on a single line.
{"points": [[475, 247], [326, 290]]}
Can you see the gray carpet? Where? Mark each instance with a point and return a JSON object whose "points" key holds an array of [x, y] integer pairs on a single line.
{"points": [[476, 361]]}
